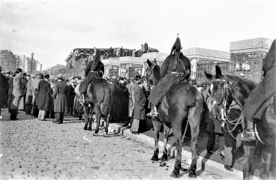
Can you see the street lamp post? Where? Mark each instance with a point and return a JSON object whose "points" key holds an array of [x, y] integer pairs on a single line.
{"points": [[32, 55]]}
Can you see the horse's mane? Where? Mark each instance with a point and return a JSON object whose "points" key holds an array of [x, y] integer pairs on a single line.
{"points": [[241, 81], [242, 85]]}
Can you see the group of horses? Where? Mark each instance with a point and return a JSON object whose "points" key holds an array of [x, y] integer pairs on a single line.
{"points": [[175, 110]]}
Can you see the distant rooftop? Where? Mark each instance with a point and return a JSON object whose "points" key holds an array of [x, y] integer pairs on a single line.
{"points": [[251, 44], [208, 53]]}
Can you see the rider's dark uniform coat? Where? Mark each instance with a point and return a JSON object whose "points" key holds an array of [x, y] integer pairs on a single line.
{"points": [[253, 108], [93, 70], [171, 74]]}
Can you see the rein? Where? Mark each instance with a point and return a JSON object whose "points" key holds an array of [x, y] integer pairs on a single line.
{"points": [[224, 109]]}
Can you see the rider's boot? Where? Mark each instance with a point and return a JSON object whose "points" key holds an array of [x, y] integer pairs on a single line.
{"points": [[153, 111], [249, 133]]}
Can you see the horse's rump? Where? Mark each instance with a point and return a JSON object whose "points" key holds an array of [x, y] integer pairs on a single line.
{"points": [[99, 92], [183, 92]]}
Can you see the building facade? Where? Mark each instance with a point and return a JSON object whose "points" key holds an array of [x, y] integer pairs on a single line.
{"points": [[10, 62], [247, 56]]}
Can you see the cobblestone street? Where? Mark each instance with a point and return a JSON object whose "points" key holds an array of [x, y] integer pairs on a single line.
{"points": [[32, 149]]}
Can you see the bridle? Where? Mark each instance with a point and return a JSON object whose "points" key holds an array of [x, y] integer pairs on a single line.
{"points": [[149, 72], [225, 106]]}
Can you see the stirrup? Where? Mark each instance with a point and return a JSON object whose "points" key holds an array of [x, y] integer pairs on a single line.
{"points": [[248, 135], [152, 113]]}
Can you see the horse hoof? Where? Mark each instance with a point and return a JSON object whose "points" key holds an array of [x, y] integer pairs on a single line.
{"points": [[164, 157], [175, 174], [85, 128], [95, 134], [154, 158], [105, 135], [192, 174], [89, 129]]}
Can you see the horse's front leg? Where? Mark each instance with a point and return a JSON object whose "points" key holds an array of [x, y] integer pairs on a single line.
{"points": [[86, 116], [248, 158], [157, 126], [165, 150], [266, 161]]}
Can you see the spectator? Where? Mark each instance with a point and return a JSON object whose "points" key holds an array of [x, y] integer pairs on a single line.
{"points": [[139, 112], [60, 101], [44, 97], [19, 88], [29, 95], [34, 88], [23, 99], [10, 94], [3, 86], [70, 96]]}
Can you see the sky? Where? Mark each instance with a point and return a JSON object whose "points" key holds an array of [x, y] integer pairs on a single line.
{"points": [[52, 29]]}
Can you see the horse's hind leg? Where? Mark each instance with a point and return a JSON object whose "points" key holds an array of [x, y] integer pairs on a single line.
{"points": [[98, 117], [177, 131], [165, 150], [157, 126], [86, 116], [90, 120], [194, 118], [107, 124]]}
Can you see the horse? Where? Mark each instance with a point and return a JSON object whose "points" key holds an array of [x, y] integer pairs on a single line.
{"points": [[223, 87], [173, 113], [99, 97]]}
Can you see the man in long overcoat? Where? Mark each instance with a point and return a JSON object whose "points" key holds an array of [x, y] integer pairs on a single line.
{"points": [[10, 86], [139, 112], [60, 100], [3, 86], [44, 97], [70, 97], [29, 95], [22, 100], [34, 88], [19, 88]]}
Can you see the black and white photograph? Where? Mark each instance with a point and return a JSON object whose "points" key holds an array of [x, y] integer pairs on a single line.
{"points": [[137, 89]]}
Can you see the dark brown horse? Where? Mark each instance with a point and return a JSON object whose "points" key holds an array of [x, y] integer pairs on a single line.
{"points": [[174, 111], [99, 98], [227, 86]]}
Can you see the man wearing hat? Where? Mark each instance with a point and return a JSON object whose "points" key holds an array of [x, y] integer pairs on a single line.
{"points": [[19, 89], [70, 96], [139, 111], [176, 68], [94, 69], [254, 105], [29, 95], [34, 89], [60, 99]]}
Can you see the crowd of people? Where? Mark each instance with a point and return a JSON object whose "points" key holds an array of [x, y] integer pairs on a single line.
{"points": [[41, 96]]}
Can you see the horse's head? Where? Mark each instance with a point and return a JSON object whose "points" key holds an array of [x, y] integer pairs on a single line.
{"points": [[220, 96], [152, 73], [96, 55]]}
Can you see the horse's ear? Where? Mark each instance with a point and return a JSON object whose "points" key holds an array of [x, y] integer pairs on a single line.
{"points": [[154, 61], [208, 75], [149, 63], [218, 72]]}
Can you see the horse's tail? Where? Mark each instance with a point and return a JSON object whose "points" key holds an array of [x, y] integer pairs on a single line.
{"points": [[106, 104]]}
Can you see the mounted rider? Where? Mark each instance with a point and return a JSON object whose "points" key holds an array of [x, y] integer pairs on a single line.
{"points": [[93, 70], [255, 104], [176, 68]]}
